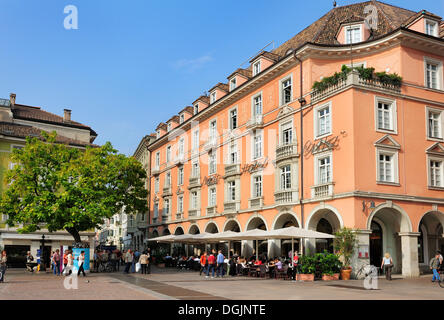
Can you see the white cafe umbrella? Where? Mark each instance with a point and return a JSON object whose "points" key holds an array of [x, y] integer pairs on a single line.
{"points": [[166, 239]]}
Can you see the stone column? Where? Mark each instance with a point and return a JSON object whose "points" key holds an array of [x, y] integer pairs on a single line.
{"points": [[274, 248], [409, 247]]}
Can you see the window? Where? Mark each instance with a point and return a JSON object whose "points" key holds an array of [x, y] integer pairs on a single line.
{"points": [[287, 133], [436, 172], [233, 119], [212, 163], [386, 168], [156, 184], [324, 170], [196, 139], [196, 108], [233, 153], [256, 68], [156, 210], [257, 186], [232, 190], [158, 134], [182, 118], [286, 177], [433, 73], [434, 126], [180, 177], [257, 105], [157, 161], [195, 169], [323, 120], [181, 147], [169, 126], [286, 91], [213, 130], [431, 28], [257, 145], [194, 200], [166, 207], [168, 154], [213, 96], [212, 197], [233, 84], [385, 115], [180, 204], [353, 34], [168, 180]]}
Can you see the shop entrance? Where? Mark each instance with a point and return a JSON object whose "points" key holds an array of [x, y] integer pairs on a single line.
{"points": [[376, 244]]}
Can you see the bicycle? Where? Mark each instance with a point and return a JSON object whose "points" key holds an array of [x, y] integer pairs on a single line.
{"points": [[105, 267], [366, 270]]}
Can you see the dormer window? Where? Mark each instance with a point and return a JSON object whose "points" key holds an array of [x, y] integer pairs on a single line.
{"points": [[353, 34], [431, 28], [233, 84], [169, 127], [182, 118], [158, 134], [213, 97], [196, 109], [256, 68]]}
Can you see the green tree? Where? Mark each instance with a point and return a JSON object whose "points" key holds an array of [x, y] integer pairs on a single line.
{"points": [[344, 244], [59, 187]]}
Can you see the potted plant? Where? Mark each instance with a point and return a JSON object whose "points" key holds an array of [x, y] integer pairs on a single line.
{"points": [[344, 245], [330, 266], [307, 268]]}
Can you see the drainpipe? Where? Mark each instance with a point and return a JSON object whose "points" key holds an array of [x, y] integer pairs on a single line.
{"points": [[302, 103]]}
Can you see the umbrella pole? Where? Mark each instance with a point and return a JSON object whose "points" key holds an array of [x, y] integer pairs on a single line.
{"points": [[229, 245], [292, 252], [257, 253], [302, 246]]}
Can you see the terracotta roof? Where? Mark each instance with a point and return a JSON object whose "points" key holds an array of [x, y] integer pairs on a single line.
{"points": [[22, 131], [324, 30], [244, 72], [221, 86], [419, 14], [270, 55], [188, 109], [204, 99], [162, 126], [174, 118], [25, 112], [441, 32]]}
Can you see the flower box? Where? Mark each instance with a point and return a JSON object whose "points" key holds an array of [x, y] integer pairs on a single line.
{"points": [[305, 277], [327, 277]]}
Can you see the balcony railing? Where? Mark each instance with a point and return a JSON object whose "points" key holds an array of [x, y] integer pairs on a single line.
{"points": [[256, 122], [256, 202], [322, 190], [353, 79], [167, 191], [231, 206], [285, 196], [286, 151], [193, 213], [179, 159], [232, 169], [194, 181], [179, 216], [211, 211], [155, 170], [210, 144]]}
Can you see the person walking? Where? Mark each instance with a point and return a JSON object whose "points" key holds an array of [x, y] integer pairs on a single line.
{"points": [[3, 260], [143, 260], [81, 259], [220, 264], [387, 265], [65, 260], [128, 261], [211, 264], [203, 263], [114, 260], [56, 262], [29, 260], [69, 262], [148, 266], [434, 266]]}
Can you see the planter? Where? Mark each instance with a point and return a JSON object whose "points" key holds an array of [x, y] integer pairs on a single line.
{"points": [[161, 265], [305, 277], [345, 274], [327, 277]]}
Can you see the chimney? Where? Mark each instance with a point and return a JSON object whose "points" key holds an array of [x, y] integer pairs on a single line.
{"points": [[66, 115], [12, 98]]}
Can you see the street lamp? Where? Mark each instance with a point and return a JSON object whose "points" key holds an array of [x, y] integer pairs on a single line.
{"points": [[42, 259]]}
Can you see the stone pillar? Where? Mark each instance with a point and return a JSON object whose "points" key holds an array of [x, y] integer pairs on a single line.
{"points": [[247, 249], [362, 242], [274, 248], [309, 246], [409, 247]]}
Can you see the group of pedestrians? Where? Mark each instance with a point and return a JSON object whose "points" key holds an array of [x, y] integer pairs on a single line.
{"points": [[212, 263], [135, 259]]}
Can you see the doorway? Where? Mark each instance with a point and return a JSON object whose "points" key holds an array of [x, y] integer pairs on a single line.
{"points": [[376, 244]]}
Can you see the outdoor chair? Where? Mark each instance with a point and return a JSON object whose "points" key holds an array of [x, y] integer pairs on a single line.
{"points": [[282, 273], [262, 271]]}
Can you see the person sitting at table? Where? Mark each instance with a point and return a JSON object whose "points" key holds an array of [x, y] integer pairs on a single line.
{"points": [[241, 264], [233, 269], [258, 262]]}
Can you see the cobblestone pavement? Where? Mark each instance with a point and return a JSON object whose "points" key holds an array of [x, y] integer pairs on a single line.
{"points": [[173, 284]]}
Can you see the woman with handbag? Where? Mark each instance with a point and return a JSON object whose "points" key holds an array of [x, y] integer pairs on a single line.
{"points": [[387, 265]]}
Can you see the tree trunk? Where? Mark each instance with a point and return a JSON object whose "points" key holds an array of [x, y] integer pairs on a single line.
{"points": [[75, 234]]}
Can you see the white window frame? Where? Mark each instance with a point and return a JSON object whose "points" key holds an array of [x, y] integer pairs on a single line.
{"points": [[156, 209], [395, 165], [436, 27], [439, 73], [441, 123], [166, 206], [257, 133], [180, 204], [195, 170], [212, 135], [212, 163], [194, 201], [253, 104], [254, 184], [232, 188], [233, 83], [213, 96], [157, 134], [256, 67], [180, 176], [157, 160], [168, 154], [354, 27], [281, 90], [282, 185], [283, 126], [196, 108], [168, 180], [232, 149], [156, 184], [316, 120], [393, 115], [169, 127], [195, 144], [182, 118], [230, 123], [212, 197], [317, 172], [429, 175]]}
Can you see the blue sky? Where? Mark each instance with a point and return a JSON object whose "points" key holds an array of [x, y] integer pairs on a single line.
{"points": [[132, 64]]}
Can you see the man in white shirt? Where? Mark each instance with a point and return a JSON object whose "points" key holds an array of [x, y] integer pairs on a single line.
{"points": [[128, 260]]}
